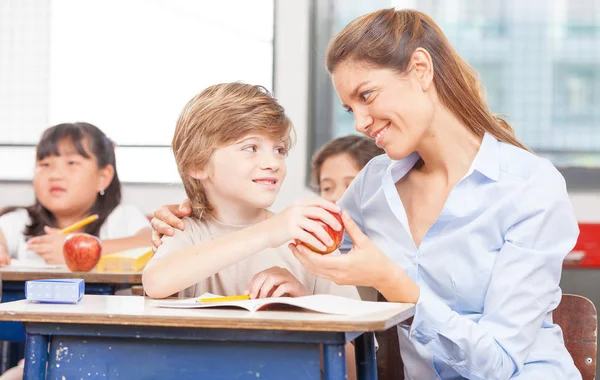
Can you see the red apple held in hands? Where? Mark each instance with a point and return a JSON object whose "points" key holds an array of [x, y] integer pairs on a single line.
{"points": [[336, 236], [82, 251]]}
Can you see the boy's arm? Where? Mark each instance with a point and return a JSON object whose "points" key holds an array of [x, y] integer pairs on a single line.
{"points": [[179, 267], [179, 263]]}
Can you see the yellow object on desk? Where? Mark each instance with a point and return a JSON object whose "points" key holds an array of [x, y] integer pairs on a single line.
{"points": [[224, 299], [131, 260], [78, 225]]}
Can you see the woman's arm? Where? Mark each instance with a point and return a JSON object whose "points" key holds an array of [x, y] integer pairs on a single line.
{"points": [[524, 288]]}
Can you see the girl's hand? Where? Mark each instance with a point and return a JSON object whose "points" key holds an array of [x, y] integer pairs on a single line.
{"points": [[276, 282], [4, 257], [166, 218], [301, 221], [364, 265], [49, 246]]}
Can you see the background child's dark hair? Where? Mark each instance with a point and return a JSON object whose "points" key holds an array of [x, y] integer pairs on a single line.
{"points": [[102, 148], [360, 148]]}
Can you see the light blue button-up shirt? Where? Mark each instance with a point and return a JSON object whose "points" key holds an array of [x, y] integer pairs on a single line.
{"points": [[488, 268]]}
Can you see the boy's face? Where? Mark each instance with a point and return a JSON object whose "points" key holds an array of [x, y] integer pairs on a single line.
{"points": [[246, 174]]}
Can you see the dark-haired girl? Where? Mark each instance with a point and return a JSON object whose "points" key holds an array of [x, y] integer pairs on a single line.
{"points": [[75, 177]]}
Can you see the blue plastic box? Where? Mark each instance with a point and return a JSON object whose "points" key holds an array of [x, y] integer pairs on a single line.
{"points": [[68, 290]]}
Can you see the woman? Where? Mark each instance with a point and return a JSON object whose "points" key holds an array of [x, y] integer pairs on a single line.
{"points": [[460, 218]]}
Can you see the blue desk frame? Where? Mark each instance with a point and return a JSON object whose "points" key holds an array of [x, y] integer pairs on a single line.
{"points": [[13, 331], [15, 291], [55, 351]]}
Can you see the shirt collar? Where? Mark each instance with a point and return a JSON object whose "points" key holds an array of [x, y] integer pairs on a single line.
{"points": [[399, 168], [486, 162]]}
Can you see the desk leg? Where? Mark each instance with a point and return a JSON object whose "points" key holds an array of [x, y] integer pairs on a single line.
{"points": [[366, 364], [36, 357], [334, 361]]}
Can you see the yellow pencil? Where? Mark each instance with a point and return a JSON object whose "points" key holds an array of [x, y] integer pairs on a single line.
{"points": [[79, 224], [225, 299]]}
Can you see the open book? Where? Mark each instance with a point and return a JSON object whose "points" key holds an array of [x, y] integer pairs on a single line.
{"points": [[321, 303]]}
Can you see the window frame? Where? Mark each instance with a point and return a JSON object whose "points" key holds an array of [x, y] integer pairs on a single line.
{"points": [[321, 93], [26, 168]]}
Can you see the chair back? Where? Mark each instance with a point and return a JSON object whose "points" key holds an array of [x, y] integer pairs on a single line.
{"points": [[576, 316], [389, 362]]}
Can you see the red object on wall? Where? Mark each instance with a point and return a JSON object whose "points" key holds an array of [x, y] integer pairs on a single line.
{"points": [[586, 253]]}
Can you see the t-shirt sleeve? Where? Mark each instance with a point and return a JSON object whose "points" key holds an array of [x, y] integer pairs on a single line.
{"points": [[180, 240], [13, 227], [123, 222]]}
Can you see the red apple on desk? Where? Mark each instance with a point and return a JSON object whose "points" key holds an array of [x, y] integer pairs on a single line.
{"points": [[82, 252], [336, 236]]}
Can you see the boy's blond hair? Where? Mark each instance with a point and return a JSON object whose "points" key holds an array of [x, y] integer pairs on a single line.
{"points": [[219, 116]]}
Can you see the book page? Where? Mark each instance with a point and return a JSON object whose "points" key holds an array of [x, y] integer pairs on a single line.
{"points": [[321, 303], [330, 304], [193, 303]]}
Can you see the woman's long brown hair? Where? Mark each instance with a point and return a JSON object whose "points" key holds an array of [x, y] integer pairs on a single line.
{"points": [[387, 39]]}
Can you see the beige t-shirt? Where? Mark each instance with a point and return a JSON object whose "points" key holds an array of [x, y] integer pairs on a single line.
{"points": [[236, 278]]}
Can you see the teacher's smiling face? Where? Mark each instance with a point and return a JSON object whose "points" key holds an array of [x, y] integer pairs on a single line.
{"points": [[396, 110]]}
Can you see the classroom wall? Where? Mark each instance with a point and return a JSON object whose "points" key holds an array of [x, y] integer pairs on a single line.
{"points": [[291, 88]]}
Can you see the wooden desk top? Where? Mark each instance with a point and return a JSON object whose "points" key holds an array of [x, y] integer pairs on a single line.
{"points": [[26, 274], [136, 310]]}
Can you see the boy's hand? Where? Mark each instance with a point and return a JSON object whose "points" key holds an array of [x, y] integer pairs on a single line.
{"points": [[276, 282], [4, 257], [301, 222], [364, 265], [49, 246], [166, 218]]}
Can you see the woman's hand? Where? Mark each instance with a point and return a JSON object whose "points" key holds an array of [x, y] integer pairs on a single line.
{"points": [[49, 246], [302, 221], [364, 265], [166, 218], [276, 282]]}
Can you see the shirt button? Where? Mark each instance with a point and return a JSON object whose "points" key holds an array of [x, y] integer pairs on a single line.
{"points": [[413, 333]]}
